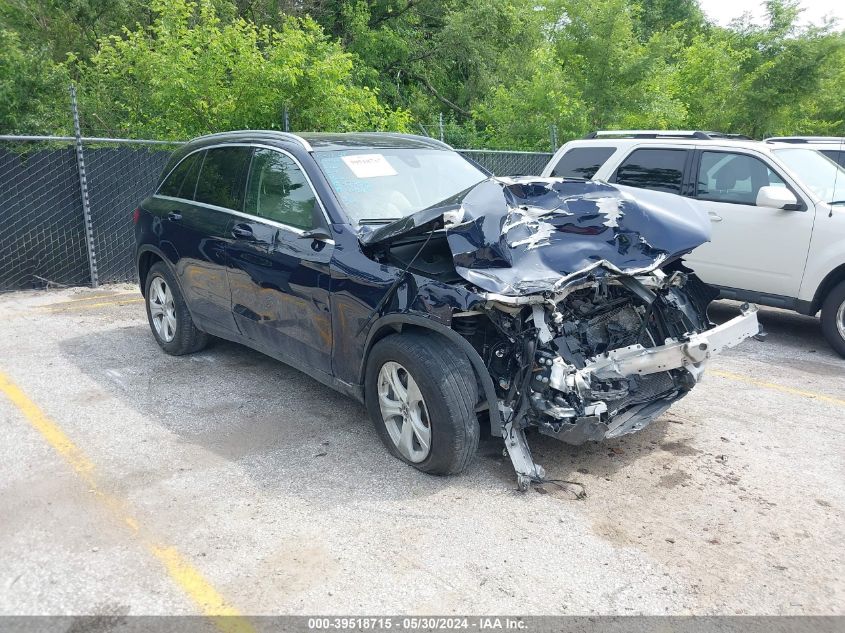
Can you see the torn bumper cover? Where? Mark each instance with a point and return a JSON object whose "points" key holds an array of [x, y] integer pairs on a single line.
{"points": [[637, 361]]}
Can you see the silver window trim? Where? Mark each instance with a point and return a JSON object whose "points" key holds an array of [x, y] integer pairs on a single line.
{"points": [[241, 214]]}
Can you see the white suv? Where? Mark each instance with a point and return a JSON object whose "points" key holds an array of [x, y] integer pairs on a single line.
{"points": [[777, 210]]}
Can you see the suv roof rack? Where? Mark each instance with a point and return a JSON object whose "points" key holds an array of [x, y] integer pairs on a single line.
{"points": [[696, 134], [806, 139]]}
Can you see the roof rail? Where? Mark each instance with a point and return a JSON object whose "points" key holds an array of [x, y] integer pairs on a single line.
{"points": [[696, 134], [292, 137], [806, 139]]}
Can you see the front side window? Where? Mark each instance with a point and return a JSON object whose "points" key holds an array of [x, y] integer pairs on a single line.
{"points": [[582, 162], [278, 190], [378, 185], [658, 169], [734, 178], [222, 175]]}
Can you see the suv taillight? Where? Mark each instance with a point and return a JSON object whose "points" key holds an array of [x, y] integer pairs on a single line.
{"points": [[136, 215]]}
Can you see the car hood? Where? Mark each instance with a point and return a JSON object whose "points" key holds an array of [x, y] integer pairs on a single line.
{"points": [[517, 236]]}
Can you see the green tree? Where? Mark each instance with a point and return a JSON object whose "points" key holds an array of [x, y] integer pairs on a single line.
{"points": [[189, 73], [34, 96]]}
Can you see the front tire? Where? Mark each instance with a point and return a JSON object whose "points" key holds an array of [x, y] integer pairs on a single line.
{"points": [[421, 395], [168, 314], [833, 318]]}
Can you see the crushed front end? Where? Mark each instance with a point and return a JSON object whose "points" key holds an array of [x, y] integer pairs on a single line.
{"points": [[582, 311], [604, 360]]}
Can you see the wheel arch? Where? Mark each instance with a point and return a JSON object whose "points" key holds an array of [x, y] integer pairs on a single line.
{"points": [[399, 323], [147, 256], [831, 280]]}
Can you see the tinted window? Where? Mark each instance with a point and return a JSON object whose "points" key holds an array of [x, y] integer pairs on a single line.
{"points": [[836, 155], [173, 183], [582, 162], [221, 180], [277, 190], [659, 169], [736, 178]]}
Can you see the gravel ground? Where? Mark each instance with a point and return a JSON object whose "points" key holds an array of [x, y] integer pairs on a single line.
{"points": [[277, 491]]}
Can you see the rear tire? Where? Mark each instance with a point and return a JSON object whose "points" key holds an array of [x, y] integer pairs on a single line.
{"points": [[833, 318], [167, 312], [443, 410]]}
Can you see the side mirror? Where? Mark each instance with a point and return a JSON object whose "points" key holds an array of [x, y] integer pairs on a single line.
{"points": [[777, 198]]}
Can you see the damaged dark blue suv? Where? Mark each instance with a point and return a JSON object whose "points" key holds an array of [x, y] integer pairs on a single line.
{"points": [[392, 269]]}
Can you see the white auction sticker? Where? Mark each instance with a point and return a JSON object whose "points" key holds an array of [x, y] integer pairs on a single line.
{"points": [[369, 165]]}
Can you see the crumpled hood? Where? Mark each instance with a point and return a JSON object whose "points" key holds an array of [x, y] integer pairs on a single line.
{"points": [[526, 235]]}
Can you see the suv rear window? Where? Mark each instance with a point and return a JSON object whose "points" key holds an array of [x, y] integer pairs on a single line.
{"points": [[582, 162], [658, 169], [222, 176]]}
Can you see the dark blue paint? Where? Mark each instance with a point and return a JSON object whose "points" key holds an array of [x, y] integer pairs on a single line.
{"points": [[311, 304]]}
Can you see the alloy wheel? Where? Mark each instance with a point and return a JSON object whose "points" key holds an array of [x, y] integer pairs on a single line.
{"points": [[404, 412], [162, 309]]}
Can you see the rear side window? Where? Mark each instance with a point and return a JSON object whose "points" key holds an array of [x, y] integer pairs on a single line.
{"points": [[658, 169], [836, 155], [582, 162], [279, 191], [222, 175], [172, 185]]}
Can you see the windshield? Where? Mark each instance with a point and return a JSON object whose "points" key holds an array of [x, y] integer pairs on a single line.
{"points": [[383, 184], [824, 177]]}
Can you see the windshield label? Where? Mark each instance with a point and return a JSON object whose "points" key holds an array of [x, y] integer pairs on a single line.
{"points": [[368, 165]]}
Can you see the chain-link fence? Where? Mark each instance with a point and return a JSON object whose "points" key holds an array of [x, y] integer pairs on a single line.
{"points": [[44, 240], [43, 237], [503, 163]]}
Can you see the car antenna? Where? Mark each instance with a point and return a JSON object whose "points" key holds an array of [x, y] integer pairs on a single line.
{"points": [[395, 285], [836, 177]]}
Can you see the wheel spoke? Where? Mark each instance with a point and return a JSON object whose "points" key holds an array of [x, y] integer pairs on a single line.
{"points": [[399, 391], [414, 395], [422, 431], [406, 439], [389, 408], [171, 325]]}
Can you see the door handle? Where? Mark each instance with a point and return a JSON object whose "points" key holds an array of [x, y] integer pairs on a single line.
{"points": [[174, 216], [714, 217], [242, 232]]}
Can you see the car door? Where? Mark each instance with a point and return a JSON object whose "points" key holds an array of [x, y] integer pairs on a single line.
{"points": [[279, 263], [194, 203], [752, 247]]}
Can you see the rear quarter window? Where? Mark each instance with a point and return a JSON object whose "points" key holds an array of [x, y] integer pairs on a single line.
{"points": [[657, 169], [582, 162], [222, 177], [836, 155], [173, 183]]}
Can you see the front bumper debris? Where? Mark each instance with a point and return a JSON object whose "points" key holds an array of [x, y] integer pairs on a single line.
{"points": [[601, 420]]}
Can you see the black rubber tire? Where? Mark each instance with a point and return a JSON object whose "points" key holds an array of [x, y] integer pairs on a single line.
{"points": [[188, 338], [449, 388], [835, 298]]}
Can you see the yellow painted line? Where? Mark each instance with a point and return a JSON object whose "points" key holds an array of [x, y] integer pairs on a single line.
{"points": [[776, 387], [209, 601], [49, 430]]}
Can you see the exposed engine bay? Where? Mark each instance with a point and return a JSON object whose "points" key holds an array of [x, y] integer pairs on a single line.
{"points": [[586, 320]]}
